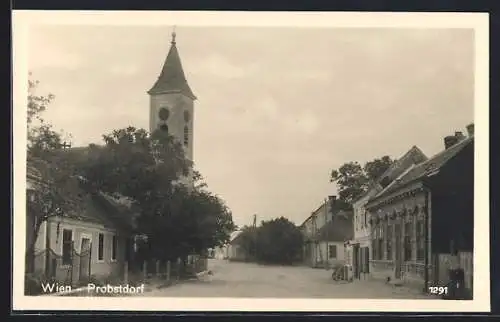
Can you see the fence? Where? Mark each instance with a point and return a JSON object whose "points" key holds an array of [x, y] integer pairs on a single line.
{"points": [[170, 270], [77, 269], [72, 269], [444, 262]]}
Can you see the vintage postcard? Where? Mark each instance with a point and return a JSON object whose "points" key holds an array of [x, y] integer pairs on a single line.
{"points": [[230, 161]]}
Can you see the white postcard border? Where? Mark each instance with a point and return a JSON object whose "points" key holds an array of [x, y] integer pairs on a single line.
{"points": [[478, 21]]}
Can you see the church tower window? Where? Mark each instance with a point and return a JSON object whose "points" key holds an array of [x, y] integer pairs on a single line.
{"points": [[164, 114], [186, 135], [187, 116], [164, 128]]}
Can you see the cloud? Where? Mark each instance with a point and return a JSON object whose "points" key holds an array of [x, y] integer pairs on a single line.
{"points": [[278, 108], [48, 56], [124, 70], [216, 65]]}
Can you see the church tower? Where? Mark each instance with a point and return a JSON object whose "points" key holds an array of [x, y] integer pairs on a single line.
{"points": [[172, 102]]}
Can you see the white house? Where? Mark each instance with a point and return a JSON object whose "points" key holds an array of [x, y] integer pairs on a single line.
{"points": [[359, 249]]}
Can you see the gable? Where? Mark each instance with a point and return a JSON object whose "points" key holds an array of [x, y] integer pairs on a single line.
{"points": [[420, 171], [413, 156], [339, 229]]}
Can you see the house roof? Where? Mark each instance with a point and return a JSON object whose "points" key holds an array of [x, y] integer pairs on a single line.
{"points": [[340, 228], [32, 173], [315, 212], [172, 77], [92, 206], [374, 185], [413, 156], [236, 237], [97, 207], [422, 169]]}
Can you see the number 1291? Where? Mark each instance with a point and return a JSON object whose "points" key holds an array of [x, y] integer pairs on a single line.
{"points": [[439, 290]]}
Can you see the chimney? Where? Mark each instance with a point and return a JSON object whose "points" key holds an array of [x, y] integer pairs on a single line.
{"points": [[460, 136], [470, 129], [449, 141]]}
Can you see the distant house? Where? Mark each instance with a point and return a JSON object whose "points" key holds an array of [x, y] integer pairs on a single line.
{"points": [[359, 250], [95, 241], [236, 252], [332, 238], [425, 217], [319, 234]]}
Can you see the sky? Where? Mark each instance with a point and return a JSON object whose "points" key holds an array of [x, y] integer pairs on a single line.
{"points": [[277, 109]]}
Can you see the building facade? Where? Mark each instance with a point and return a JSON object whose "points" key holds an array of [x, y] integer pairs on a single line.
{"points": [[324, 243], [73, 247], [411, 218], [359, 250]]}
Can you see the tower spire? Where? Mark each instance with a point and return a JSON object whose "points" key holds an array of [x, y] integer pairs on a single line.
{"points": [[172, 77]]}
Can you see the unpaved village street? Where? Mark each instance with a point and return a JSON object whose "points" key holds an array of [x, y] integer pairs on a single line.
{"points": [[234, 279]]}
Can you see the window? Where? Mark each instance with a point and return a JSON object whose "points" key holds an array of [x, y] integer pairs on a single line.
{"points": [[164, 128], [366, 259], [389, 242], [374, 243], [187, 117], [186, 135], [67, 245], [114, 247], [407, 240], [164, 114], [381, 242], [332, 251], [100, 250], [378, 243], [420, 240]]}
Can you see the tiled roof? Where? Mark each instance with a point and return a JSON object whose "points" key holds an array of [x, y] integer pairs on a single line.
{"points": [[413, 156], [172, 77], [425, 168], [339, 229], [89, 205], [32, 172], [236, 237]]}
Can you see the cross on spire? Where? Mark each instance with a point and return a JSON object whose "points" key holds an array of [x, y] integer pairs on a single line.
{"points": [[173, 36]]}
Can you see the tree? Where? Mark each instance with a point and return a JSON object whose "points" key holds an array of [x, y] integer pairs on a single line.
{"points": [[353, 180], [278, 241], [374, 169], [146, 168], [247, 240], [56, 192]]}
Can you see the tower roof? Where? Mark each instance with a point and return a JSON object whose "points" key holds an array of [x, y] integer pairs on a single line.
{"points": [[172, 77]]}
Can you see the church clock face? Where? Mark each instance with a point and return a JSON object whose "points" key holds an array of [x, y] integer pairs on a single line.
{"points": [[164, 113]]}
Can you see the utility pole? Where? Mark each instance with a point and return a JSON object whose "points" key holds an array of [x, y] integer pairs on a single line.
{"points": [[327, 234], [65, 145], [254, 225]]}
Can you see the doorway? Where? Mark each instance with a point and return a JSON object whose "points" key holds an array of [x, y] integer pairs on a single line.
{"points": [[85, 258], [397, 249], [356, 262]]}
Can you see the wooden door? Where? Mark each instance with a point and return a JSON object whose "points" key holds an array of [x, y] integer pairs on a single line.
{"points": [[85, 253], [397, 250], [355, 260]]}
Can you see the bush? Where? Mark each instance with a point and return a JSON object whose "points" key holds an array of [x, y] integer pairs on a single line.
{"points": [[33, 283]]}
